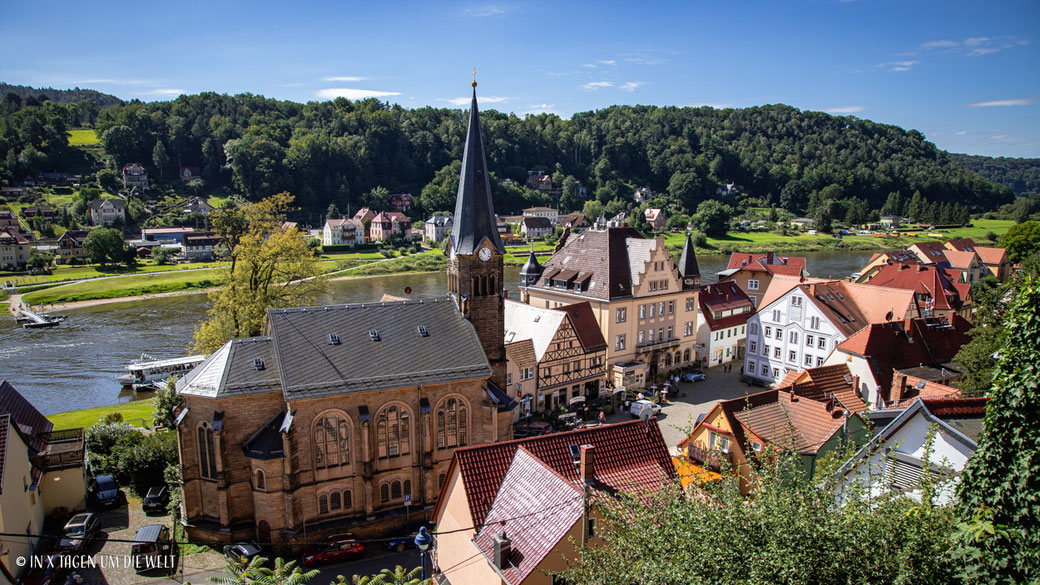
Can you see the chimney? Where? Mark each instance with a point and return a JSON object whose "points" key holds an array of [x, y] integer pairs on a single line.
{"points": [[587, 467], [503, 548], [898, 388], [855, 383]]}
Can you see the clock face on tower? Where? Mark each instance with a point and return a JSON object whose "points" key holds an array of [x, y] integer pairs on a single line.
{"points": [[484, 254]]}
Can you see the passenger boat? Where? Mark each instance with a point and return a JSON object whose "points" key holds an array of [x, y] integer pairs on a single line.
{"points": [[145, 374]]}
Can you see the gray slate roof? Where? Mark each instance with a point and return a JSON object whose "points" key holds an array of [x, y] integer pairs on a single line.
{"points": [[474, 211], [312, 367], [614, 257], [231, 371]]}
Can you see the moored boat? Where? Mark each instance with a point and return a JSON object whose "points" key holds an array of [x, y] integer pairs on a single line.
{"points": [[151, 373]]}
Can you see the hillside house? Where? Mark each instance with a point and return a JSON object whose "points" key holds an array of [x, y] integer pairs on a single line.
{"points": [[135, 176], [107, 212]]}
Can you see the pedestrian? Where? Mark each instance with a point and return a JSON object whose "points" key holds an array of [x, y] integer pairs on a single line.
{"points": [[602, 418]]}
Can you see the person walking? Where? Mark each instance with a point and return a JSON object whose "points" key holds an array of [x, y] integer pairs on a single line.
{"points": [[602, 418]]}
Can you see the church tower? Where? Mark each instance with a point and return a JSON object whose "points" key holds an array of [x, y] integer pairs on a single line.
{"points": [[475, 251]]}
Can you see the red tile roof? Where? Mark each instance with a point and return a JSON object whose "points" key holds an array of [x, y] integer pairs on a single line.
{"points": [[768, 262], [824, 382], [629, 456], [991, 255], [535, 507], [940, 407], [715, 298], [929, 251], [793, 421], [961, 244], [918, 388], [30, 422], [921, 278], [585, 325]]}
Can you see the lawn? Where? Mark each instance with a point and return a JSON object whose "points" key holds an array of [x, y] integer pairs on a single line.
{"points": [[68, 273], [137, 413], [83, 137], [110, 288]]}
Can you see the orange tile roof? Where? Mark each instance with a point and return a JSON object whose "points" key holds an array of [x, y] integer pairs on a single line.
{"points": [[763, 261], [960, 260], [921, 278], [824, 382], [920, 388], [794, 421], [991, 255], [522, 353]]}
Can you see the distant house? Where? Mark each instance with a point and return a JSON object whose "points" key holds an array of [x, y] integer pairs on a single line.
{"points": [[365, 215], [656, 218], [172, 235], [935, 292], [400, 201], [134, 175], [437, 227], [937, 435], [70, 245], [57, 179], [107, 211], [9, 219], [197, 205], [342, 232], [387, 225], [994, 259], [802, 222], [642, 194], [728, 189], [754, 272], [48, 465], [14, 249], [534, 228], [540, 180], [581, 189], [188, 173], [576, 221], [553, 215], [200, 247], [45, 211], [891, 221], [721, 328], [619, 220]]}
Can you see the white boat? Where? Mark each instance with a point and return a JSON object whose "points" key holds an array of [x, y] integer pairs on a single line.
{"points": [[152, 372]]}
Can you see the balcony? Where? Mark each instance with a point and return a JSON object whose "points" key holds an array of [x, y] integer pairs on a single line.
{"points": [[711, 458], [60, 450], [651, 346]]}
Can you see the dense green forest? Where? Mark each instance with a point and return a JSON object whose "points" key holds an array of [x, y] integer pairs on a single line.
{"points": [[350, 153], [61, 96], [1022, 175]]}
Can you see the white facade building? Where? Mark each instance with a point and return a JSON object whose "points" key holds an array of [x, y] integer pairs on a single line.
{"points": [[437, 227], [343, 232]]}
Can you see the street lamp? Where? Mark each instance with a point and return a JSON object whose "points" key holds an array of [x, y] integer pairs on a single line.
{"points": [[422, 542]]}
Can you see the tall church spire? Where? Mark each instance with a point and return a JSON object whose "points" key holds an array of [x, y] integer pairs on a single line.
{"points": [[474, 212], [688, 269]]}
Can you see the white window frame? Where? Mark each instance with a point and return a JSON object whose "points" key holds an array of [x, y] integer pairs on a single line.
{"points": [[752, 284], [622, 315]]}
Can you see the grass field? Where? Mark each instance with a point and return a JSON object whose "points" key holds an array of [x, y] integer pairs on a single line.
{"points": [[422, 262], [83, 137], [66, 273], [137, 413], [110, 288]]}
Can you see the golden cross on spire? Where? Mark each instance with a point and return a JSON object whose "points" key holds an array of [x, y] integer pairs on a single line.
{"points": [[474, 77]]}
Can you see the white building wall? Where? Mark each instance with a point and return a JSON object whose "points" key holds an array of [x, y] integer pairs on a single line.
{"points": [[868, 386], [768, 358]]}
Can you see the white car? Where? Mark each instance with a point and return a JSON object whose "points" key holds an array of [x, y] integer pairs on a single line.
{"points": [[644, 409]]}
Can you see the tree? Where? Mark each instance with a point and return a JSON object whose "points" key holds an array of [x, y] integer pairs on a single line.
{"points": [[1023, 208], [269, 267], [592, 210], [1022, 240], [162, 255], [104, 245], [712, 218], [822, 216], [166, 401], [999, 494], [332, 212], [396, 576], [917, 207], [159, 158], [108, 180]]}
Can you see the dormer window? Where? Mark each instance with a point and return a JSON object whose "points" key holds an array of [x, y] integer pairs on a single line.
{"points": [[333, 339], [373, 334], [422, 331]]}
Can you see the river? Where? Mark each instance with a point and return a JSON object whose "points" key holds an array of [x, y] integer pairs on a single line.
{"points": [[74, 365]]}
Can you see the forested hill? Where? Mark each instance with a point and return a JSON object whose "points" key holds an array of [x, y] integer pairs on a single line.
{"points": [[61, 96], [1022, 175], [339, 151]]}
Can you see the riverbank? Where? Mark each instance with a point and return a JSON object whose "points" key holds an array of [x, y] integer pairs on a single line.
{"points": [[137, 413]]}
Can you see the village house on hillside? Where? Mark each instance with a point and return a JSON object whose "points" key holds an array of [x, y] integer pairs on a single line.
{"points": [[656, 219], [342, 232], [135, 176], [107, 212], [553, 215], [341, 418], [435, 228], [400, 201], [15, 249], [555, 356], [387, 225], [70, 245], [645, 305], [42, 472], [512, 512], [534, 228]]}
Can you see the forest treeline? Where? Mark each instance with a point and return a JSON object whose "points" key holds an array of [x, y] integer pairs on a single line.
{"points": [[342, 152], [1021, 175], [61, 96]]}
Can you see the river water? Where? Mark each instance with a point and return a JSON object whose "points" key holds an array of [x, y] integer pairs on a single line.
{"points": [[74, 365]]}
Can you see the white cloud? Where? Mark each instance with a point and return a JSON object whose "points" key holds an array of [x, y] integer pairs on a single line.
{"points": [[899, 65], [982, 51], [352, 94], [540, 109], [1002, 103], [960, 133], [976, 41], [597, 84], [941, 44], [461, 101], [588, 65], [641, 61], [486, 10], [607, 61], [118, 81], [165, 92], [631, 85], [347, 78], [844, 110]]}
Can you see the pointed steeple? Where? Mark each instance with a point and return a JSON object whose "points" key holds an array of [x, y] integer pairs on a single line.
{"points": [[688, 269], [474, 212], [531, 270]]}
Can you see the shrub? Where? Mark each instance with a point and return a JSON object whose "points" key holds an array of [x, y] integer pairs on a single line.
{"points": [[103, 436]]}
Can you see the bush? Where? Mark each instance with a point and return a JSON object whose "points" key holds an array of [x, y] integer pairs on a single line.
{"points": [[102, 437], [137, 460]]}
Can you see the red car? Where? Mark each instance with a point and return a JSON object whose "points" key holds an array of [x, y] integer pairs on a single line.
{"points": [[338, 549]]}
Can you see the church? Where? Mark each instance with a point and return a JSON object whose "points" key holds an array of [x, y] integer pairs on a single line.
{"points": [[344, 418]]}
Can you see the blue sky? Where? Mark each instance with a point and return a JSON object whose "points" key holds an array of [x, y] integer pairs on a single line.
{"points": [[966, 74]]}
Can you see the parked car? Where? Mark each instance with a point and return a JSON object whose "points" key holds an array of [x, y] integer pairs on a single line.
{"points": [[540, 428], [242, 552], [340, 548], [400, 543], [693, 377], [644, 409], [49, 571], [80, 529], [156, 499], [105, 490], [153, 549]]}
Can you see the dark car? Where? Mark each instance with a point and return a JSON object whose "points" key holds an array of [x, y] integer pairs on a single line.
{"points": [[402, 542], [80, 529], [105, 490], [50, 571], [693, 377], [242, 552], [153, 549], [339, 548], [156, 500]]}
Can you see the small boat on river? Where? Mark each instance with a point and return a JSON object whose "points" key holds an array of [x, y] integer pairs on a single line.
{"points": [[34, 320], [150, 374]]}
